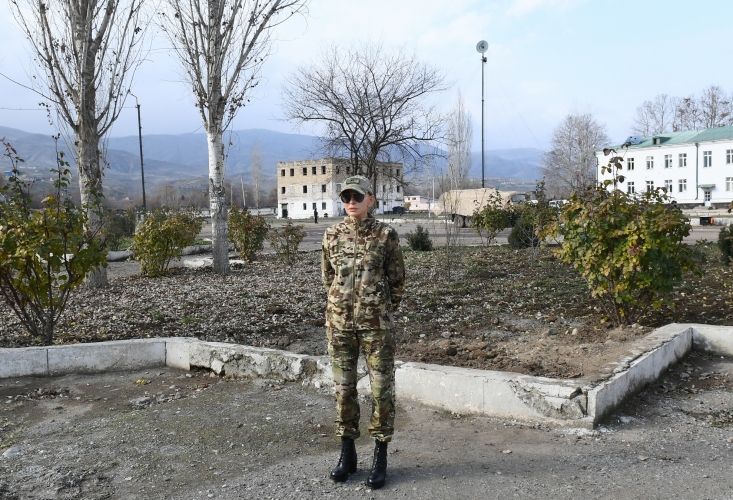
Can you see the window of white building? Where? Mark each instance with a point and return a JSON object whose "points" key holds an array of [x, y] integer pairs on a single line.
{"points": [[338, 188], [729, 156], [630, 188], [313, 171], [305, 189], [292, 172], [629, 164], [323, 171], [729, 183], [305, 206], [649, 186], [668, 185], [314, 205], [282, 173], [667, 161], [708, 194], [649, 162], [323, 188], [682, 160], [682, 185], [305, 170], [323, 206], [707, 160], [282, 190]]}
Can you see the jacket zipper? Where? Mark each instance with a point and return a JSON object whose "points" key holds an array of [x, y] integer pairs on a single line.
{"points": [[353, 277]]}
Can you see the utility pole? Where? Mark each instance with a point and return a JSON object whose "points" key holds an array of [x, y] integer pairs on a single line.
{"points": [[482, 47], [140, 137]]}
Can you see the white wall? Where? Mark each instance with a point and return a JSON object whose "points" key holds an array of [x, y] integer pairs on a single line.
{"points": [[716, 174]]}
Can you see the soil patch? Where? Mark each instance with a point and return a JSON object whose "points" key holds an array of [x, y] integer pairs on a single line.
{"points": [[485, 308]]}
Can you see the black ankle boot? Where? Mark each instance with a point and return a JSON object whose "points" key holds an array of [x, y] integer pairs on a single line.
{"points": [[379, 467], [347, 461]]}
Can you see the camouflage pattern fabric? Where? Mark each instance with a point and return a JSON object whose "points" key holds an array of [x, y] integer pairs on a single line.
{"points": [[363, 273], [378, 347]]}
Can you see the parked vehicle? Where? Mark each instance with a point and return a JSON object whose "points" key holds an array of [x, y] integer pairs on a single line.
{"points": [[460, 204]]}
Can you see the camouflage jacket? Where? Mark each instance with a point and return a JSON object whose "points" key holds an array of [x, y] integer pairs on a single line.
{"points": [[363, 272]]}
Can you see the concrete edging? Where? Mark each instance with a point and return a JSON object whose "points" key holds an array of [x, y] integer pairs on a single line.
{"points": [[576, 402]]}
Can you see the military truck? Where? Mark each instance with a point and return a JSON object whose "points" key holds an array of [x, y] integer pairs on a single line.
{"points": [[460, 204]]}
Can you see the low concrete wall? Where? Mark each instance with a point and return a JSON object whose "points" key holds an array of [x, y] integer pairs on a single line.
{"points": [[577, 402]]}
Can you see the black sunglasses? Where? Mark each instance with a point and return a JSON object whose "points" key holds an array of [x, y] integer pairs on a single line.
{"points": [[349, 195]]}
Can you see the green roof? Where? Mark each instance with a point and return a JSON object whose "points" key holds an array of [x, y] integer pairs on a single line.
{"points": [[685, 137]]}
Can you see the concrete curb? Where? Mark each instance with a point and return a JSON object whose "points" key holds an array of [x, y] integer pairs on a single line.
{"points": [[576, 402]]}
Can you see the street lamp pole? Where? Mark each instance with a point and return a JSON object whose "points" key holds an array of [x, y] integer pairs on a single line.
{"points": [[140, 138], [482, 47]]}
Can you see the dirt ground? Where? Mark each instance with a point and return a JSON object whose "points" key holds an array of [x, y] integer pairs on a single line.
{"points": [[489, 308], [169, 434]]}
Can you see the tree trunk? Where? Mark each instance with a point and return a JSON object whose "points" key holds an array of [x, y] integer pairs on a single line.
{"points": [[90, 182], [217, 202]]}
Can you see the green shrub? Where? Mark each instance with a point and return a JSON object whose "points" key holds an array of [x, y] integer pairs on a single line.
{"points": [[628, 247], [119, 228], [44, 253], [286, 241], [248, 232], [161, 237], [492, 218], [420, 239], [725, 244], [523, 234]]}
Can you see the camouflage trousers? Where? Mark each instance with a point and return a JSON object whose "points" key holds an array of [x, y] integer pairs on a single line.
{"points": [[378, 347]]}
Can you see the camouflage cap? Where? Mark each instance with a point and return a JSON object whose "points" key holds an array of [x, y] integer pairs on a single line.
{"points": [[357, 183]]}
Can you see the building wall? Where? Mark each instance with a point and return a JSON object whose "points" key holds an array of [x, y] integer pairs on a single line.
{"points": [[419, 203], [322, 180], [716, 179]]}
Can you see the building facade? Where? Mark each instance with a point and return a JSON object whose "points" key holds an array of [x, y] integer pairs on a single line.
{"points": [[695, 166], [419, 203], [307, 186]]}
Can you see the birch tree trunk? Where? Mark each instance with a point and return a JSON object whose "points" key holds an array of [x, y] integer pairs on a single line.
{"points": [[217, 202], [90, 181], [222, 45], [85, 53]]}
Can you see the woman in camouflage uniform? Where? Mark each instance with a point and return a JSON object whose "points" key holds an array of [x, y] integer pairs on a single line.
{"points": [[364, 274]]}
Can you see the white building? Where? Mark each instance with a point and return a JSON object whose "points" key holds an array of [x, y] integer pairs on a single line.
{"points": [[313, 185], [695, 166], [419, 203]]}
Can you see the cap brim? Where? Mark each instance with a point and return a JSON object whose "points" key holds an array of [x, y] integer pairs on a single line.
{"points": [[358, 189]]}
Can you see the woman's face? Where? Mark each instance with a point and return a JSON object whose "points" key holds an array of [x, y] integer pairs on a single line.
{"points": [[356, 209]]}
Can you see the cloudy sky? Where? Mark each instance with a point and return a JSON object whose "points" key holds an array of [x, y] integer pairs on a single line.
{"points": [[546, 58]]}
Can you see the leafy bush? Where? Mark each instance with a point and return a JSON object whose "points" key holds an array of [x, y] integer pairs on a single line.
{"points": [[161, 237], [523, 234], [286, 241], [628, 248], [248, 232], [725, 244], [420, 239], [45, 253], [492, 218], [120, 227]]}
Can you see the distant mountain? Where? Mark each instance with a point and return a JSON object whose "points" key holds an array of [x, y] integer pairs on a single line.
{"points": [[192, 150], [177, 158], [519, 163]]}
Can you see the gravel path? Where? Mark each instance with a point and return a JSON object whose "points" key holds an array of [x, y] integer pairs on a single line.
{"points": [[168, 434]]}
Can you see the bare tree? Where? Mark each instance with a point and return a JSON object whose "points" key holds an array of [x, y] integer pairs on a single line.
{"points": [[256, 169], [655, 117], [221, 46], [86, 53], [716, 107], [372, 104], [688, 115], [460, 139], [571, 163]]}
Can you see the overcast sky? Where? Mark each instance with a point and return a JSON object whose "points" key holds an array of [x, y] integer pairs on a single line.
{"points": [[546, 58]]}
